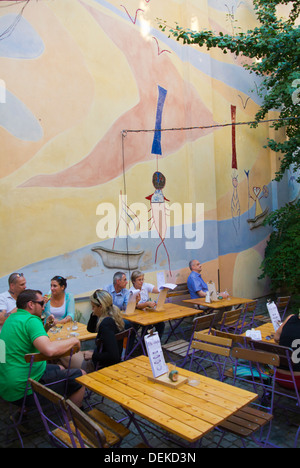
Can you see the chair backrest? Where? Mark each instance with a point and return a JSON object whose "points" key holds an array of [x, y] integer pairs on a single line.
{"points": [[46, 393], [214, 350], [282, 305], [250, 309], [232, 319], [204, 322], [284, 353], [39, 357], [236, 339], [85, 426], [42, 396], [121, 336], [212, 344], [250, 306], [259, 357]]}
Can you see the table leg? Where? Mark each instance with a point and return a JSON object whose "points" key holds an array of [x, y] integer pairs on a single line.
{"points": [[173, 328], [132, 420]]}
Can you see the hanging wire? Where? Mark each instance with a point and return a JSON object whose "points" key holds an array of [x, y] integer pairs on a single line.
{"points": [[124, 132]]}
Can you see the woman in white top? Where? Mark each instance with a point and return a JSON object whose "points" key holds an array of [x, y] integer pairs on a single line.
{"points": [[60, 305], [137, 279]]}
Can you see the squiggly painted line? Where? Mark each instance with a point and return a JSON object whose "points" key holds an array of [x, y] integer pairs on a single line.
{"points": [[246, 102], [136, 13], [159, 52]]}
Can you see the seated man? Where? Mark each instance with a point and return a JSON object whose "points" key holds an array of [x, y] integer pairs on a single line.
{"points": [[24, 333], [16, 284], [118, 290], [196, 286]]}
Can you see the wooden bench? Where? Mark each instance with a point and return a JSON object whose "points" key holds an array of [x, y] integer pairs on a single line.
{"points": [[180, 290], [246, 421]]}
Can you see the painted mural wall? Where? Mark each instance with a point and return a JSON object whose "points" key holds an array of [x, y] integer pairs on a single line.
{"points": [[116, 137]]}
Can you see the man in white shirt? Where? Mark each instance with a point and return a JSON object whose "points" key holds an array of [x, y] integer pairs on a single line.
{"points": [[16, 284]]}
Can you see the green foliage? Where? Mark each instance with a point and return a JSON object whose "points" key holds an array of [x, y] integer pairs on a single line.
{"points": [[274, 48], [282, 255]]}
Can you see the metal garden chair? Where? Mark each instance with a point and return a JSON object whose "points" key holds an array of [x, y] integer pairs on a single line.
{"points": [[282, 304], [288, 398], [17, 417], [210, 350], [232, 321], [250, 311], [255, 420], [69, 427], [179, 352]]}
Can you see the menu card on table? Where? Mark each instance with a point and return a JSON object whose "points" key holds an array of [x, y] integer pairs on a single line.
{"points": [[274, 315], [164, 288], [130, 309], [155, 354]]}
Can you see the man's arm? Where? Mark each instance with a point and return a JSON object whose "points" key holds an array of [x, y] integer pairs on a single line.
{"points": [[4, 314], [201, 293], [55, 348]]}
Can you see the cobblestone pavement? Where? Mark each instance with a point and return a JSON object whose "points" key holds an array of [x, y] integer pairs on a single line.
{"points": [[284, 428]]}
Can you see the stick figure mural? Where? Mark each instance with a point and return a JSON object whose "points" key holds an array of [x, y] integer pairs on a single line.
{"points": [[159, 211], [235, 202], [157, 199], [260, 215]]}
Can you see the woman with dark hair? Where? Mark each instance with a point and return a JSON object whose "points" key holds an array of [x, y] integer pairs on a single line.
{"points": [[60, 305]]}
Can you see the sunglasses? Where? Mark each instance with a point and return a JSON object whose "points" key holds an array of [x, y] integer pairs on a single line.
{"points": [[16, 275], [42, 303], [96, 295]]}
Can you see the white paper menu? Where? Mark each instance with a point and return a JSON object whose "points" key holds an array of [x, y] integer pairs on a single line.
{"points": [[155, 354], [130, 309], [274, 315], [163, 295]]}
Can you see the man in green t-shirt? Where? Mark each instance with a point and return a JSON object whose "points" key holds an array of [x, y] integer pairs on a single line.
{"points": [[23, 333]]}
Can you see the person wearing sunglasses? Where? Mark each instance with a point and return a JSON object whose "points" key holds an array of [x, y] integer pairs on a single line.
{"points": [[16, 284], [60, 306], [24, 333]]}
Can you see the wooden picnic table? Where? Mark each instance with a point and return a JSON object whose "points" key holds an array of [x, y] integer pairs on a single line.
{"points": [[267, 332], [149, 317], [188, 412], [170, 311], [67, 332], [219, 304]]}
